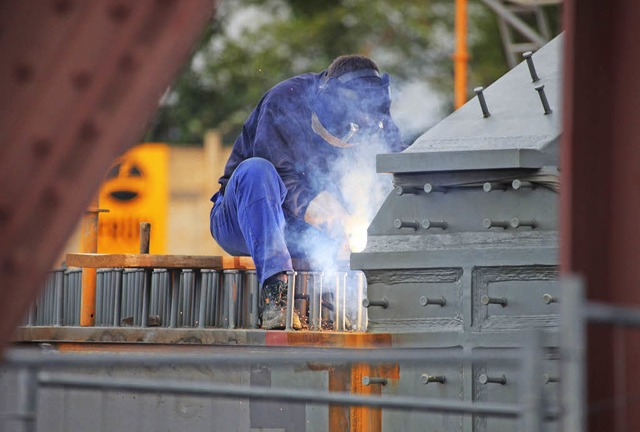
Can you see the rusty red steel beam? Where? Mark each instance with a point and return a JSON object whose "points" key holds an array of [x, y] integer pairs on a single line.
{"points": [[600, 209], [79, 81]]}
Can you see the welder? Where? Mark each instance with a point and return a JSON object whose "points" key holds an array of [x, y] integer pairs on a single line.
{"points": [[278, 192]]}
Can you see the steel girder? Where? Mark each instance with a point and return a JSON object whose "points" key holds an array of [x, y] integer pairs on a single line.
{"points": [[600, 239], [79, 80]]}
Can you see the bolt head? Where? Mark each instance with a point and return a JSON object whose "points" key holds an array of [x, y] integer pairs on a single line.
{"points": [[424, 378], [397, 223], [483, 379], [486, 223], [366, 381], [484, 299], [428, 188], [423, 301]]}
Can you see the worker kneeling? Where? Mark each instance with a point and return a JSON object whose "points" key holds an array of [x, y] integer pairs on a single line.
{"points": [[280, 191]]}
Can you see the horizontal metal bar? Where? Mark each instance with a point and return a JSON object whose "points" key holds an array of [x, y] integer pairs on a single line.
{"points": [[19, 358], [610, 314], [519, 24], [192, 388], [5, 417]]}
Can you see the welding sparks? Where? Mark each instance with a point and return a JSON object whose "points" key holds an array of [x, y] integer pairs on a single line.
{"points": [[356, 230]]}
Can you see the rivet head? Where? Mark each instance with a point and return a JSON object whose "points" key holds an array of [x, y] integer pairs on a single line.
{"points": [[23, 73], [5, 214], [62, 7], [119, 13], [41, 148], [88, 131], [81, 80]]}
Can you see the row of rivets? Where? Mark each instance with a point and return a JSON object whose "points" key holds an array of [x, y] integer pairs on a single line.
{"points": [[502, 379], [515, 184], [414, 224], [486, 300], [487, 187], [441, 301], [441, 379], [487, 223], [513, 223]]}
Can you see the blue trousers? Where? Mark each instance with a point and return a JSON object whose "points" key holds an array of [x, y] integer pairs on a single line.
{"points": [[249, 220]]}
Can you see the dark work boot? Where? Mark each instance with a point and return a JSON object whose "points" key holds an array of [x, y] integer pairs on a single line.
{"points": [[273, 302]]}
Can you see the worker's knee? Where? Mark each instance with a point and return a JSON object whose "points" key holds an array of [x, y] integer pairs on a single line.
{"points": [[256, 169], [258, 177]]}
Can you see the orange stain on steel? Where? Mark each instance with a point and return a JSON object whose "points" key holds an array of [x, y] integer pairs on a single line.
{"points": [[349, 378], [340, 415]]}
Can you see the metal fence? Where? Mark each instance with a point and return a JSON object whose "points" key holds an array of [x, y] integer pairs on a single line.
{"points": [[42, 369]]}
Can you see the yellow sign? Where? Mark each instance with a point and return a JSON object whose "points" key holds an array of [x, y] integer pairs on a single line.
{"points": [[135, 190]]}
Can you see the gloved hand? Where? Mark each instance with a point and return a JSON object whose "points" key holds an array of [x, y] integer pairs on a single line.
{"points": [[327, 214]]}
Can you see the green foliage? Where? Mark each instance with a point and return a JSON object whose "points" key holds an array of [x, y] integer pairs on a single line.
{"points": [[251, 45]]}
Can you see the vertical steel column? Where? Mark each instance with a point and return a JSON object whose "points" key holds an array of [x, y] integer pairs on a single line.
{"points": [[99, 297], [59, 289], [252, 287], [301, 296], [117, 297], [599, 210], [146, 297], [28, 398], [175, 291], [315, 304], [218, 299], [291, 283], [340, 302], [531, 392], [230, 278], [240, 301], [361, 318], [573, 328], [145, 238], [31, 320], [201, 294]]}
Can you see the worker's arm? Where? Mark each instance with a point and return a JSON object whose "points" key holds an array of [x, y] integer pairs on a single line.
{"points": [[327, 214], [279, 139]]}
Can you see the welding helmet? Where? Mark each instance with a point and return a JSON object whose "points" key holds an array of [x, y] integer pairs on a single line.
{"points": [[352, 108]]}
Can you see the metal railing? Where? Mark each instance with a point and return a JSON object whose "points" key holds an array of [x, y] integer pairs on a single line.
{"points": [[576, 314], [42, 369]]}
